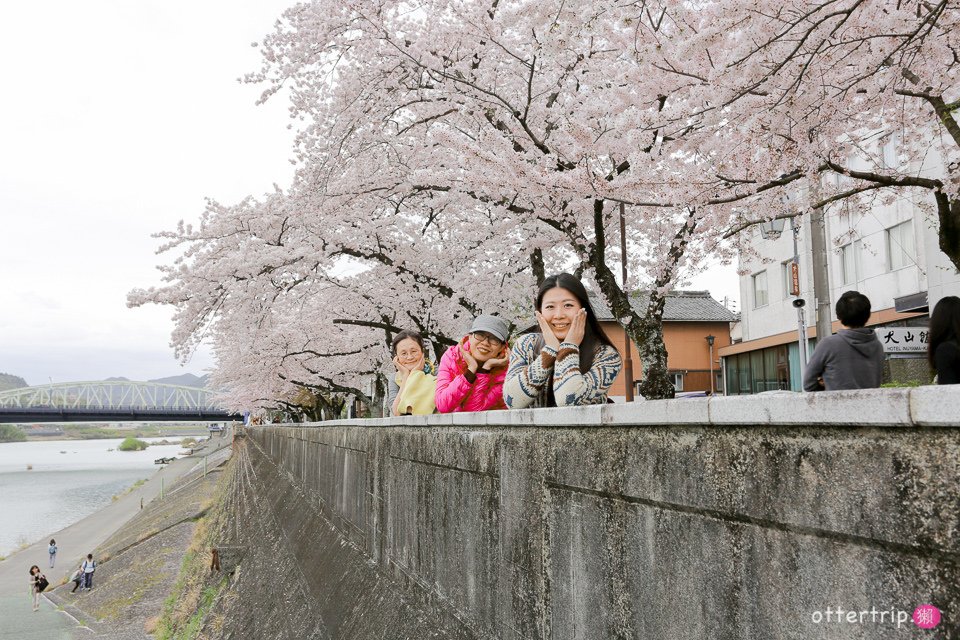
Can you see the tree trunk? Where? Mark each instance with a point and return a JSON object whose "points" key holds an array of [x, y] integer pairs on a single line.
{"points": [[375, 407], [949, 214], [647, 333], [536, 263]]}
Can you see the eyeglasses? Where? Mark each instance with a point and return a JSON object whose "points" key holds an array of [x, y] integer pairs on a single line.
{"points": [[481, 337]]}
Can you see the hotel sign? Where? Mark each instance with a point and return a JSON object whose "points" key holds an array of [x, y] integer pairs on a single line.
{"points": [[903, 339]]}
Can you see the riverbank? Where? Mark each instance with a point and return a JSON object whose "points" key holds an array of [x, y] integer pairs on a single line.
{"points": [[93, 431], [104, 531], [139, 564]]}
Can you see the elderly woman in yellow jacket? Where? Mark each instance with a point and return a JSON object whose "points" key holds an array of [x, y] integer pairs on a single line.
{"points": [[412, 389]]}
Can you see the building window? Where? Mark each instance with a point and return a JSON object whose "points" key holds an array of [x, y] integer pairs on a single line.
{"points": [[758, 371], [760, 294], [889, 152], [850, 262], [900, 248], [786, 276], [677, 379]]}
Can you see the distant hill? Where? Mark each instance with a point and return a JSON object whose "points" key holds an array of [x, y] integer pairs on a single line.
{"points": [[184, 380], [10, 381]]}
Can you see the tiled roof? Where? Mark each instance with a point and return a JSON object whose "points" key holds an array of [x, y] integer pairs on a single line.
{"points": [[681, 306]]}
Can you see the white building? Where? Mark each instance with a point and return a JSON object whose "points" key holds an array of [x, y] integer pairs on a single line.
{"points": [[889, 252]]}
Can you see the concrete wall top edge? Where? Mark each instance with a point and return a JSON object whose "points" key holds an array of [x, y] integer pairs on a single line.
{"points": [[929, 406]]}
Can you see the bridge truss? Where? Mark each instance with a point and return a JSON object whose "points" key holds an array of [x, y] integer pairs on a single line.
{"points": [[113, 395]]}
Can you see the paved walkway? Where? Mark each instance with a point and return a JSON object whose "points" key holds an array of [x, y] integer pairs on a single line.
{"points": [[17, 620]]}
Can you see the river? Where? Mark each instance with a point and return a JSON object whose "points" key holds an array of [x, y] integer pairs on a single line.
{"points": [[68, 480]]}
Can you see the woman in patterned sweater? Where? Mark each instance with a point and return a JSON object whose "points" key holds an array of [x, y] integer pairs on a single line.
{"points": [[570, 361]]}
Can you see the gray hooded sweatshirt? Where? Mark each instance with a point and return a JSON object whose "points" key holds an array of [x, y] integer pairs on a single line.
{"points": [[849, 359]]}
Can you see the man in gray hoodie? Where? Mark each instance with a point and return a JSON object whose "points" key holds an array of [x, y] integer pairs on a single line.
{"points": [[853, 357]]}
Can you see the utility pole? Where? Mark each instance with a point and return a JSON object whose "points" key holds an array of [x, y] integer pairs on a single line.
{"points": [[627, 361], [803, 345], [821, 278]]}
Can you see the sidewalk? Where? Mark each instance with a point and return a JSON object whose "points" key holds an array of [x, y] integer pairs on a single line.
{"points": [[75, 542]]}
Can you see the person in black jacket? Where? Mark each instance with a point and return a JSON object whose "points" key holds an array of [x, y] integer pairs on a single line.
{"points": [[944, 350]]}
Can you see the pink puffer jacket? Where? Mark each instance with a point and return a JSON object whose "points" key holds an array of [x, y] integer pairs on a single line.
{"points": [[455, 391]]}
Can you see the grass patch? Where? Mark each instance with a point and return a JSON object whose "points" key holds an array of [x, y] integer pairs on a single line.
{"points": [[11, 433], [196, 591], [151, 572], [132, 444], [134, 486]]}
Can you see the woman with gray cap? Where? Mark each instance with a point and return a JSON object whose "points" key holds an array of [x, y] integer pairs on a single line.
{"points": [[471, 373]]}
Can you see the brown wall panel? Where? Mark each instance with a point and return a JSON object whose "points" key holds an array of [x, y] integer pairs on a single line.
{"points": [[687, 350]]}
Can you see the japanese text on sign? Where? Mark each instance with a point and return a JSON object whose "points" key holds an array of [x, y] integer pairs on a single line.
{"points": [[903, 339]]}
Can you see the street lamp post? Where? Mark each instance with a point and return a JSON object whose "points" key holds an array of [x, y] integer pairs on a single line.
{"points": [[710, 340], [627, 361]]}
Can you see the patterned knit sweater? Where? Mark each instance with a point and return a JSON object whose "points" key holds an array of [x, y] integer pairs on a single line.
{"points": [[534, 365]]}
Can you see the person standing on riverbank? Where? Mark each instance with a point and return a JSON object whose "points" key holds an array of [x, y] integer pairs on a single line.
{"points": [[38, 582], [52, 550], [89, 566]]}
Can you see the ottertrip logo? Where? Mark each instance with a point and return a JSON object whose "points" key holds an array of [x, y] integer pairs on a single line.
{"points": [[926, 616]]}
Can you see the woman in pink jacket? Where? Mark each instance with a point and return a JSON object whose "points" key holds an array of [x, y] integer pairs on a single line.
{"points": [[471, 373]]}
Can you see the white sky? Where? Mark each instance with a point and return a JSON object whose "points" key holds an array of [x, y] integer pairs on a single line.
{"points": [[117, 119]]}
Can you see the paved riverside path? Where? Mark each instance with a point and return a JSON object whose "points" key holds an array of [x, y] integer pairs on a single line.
{"points": [[17, 621]]}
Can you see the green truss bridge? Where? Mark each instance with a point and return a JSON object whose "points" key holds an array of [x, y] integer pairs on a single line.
{"points": [[108, 400]]}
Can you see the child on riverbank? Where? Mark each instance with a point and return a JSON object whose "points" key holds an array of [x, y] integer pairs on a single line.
{"points": [[52, 550]]}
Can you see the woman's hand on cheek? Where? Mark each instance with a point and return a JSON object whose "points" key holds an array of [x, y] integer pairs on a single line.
{"points": [[577, 328], [502, 360], [468, 358], [547, 332]]}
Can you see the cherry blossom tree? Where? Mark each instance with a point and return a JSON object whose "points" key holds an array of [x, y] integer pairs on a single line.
{"points": [[451, 153], [831, 87], [516, 130]]}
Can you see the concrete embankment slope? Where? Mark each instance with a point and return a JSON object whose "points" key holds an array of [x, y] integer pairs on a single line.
{"points": [[725, 518]]}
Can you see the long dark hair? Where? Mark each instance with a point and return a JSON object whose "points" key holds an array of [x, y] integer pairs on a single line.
{"points": [[593, 335], [944, 325]]}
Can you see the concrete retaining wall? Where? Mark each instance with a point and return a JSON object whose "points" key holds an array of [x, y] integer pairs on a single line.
{"points": [[709, 518]]}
